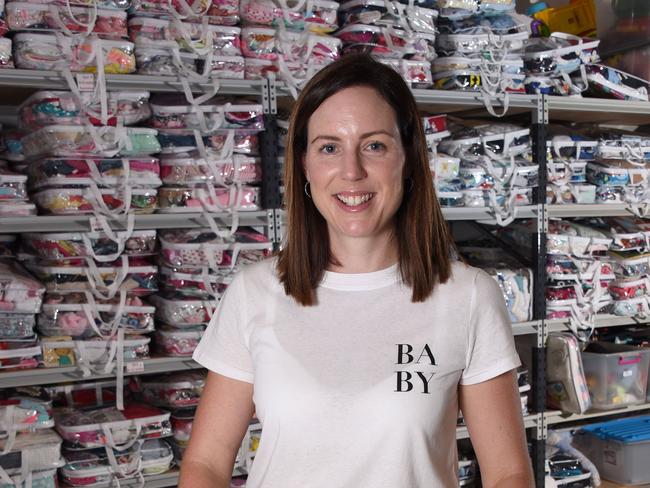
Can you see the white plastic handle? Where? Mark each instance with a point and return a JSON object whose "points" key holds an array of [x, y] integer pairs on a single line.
{"points": [[118, 238], [97, 283], [110, 440]]}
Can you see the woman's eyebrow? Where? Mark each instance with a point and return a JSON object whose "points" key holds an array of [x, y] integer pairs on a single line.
{"points": [[363, 136]]}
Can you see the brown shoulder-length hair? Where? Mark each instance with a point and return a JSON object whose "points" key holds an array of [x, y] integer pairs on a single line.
{"points": [[423, 238]]}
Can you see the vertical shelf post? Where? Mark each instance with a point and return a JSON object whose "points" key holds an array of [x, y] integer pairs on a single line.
{"points": [[538, 137], [271, 197]]}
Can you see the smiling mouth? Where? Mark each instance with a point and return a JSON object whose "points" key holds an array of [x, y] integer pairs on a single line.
{"points": [[355, 200]]}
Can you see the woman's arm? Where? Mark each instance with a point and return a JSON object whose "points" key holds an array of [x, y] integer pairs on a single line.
{"points": [[221, 420], [492, 412]]}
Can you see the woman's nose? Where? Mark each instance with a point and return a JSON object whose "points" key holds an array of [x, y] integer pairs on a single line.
{"points": [[353, 169]]}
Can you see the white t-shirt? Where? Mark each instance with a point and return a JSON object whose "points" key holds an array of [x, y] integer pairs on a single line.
{"points": [[359, 391]]}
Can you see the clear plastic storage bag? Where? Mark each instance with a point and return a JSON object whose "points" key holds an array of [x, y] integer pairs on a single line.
{"points": [[95, 467], [142, 172], [13, 186], [178, 390], [19, 292], [179, 311], [178, 342], [16, 325], [75, 140], [90, 244], [213, 199], [174, 112], [157, 457], [41, 447], [65, 108], [202, 247], [81, 316], [197, 171], [70, 20], [112, 427], [50, 52], [83, 394]]}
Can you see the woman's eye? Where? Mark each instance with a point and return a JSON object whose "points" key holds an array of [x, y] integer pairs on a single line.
{"points": [[376, 146], [328, 149]]}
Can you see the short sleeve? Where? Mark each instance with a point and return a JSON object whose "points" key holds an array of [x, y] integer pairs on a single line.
{"points": [[491, 346], [224, 348]]}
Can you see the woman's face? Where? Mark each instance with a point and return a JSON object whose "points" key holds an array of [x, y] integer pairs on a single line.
{"points": [[354, 163]]}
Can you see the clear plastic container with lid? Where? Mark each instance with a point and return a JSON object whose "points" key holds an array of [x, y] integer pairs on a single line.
{"points": [[617, 375]]}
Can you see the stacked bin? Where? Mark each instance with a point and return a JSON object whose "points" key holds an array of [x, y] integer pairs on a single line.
{"points": [[400, 34], [209, 164], [480, 46], [75, 39], [199, 41], [290, 41], [6, 51], [620, 171], [568, 154], [85, 159], [495, 169]]}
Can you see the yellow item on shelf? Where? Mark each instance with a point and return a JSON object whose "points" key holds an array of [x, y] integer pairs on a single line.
{"points": [[578, 18]]}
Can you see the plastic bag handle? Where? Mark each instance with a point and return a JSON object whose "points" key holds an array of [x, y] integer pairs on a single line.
{"points": [[91, 307], [97, 282], [118, 238], [86, 366], [108, 434], [94, 196]]}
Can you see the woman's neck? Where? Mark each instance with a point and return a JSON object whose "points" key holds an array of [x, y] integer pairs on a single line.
{"points": [[361, 255]]}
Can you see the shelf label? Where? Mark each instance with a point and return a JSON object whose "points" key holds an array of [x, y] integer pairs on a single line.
{"points": [[134, 367], [95, 224], [86, 82]]}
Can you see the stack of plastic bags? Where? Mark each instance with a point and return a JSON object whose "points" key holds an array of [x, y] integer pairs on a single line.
{"points": [[103, 445], [72, 36], [13, 193], [30, 450], [288, 40], [210, 149], [197, 40], [515, 280], [495, 168], [620, 171], [179, 393], [6, 51], [629, 253], [568, 155], [20, 300], [83, 158], [196, 267], [558, 65], [399, 34], [481, 47]]}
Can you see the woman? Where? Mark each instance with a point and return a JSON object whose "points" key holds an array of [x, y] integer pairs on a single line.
{"points": [[357, 344]]}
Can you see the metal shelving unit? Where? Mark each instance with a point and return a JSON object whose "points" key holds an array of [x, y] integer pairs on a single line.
{"points": [[84, 223], [592, 210], [605, 320], [486, 215], [48, 376], [557, 417], [53, 80], [541, 108]]}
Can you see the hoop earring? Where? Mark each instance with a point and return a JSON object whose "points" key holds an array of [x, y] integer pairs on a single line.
{"points": [[307, 190]]}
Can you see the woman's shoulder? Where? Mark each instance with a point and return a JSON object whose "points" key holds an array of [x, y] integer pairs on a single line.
{"points": [[261, 273], [464, 275]]}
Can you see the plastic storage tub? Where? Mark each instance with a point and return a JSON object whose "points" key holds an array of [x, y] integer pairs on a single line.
{"points": [[617, 375], [620, 449]]}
